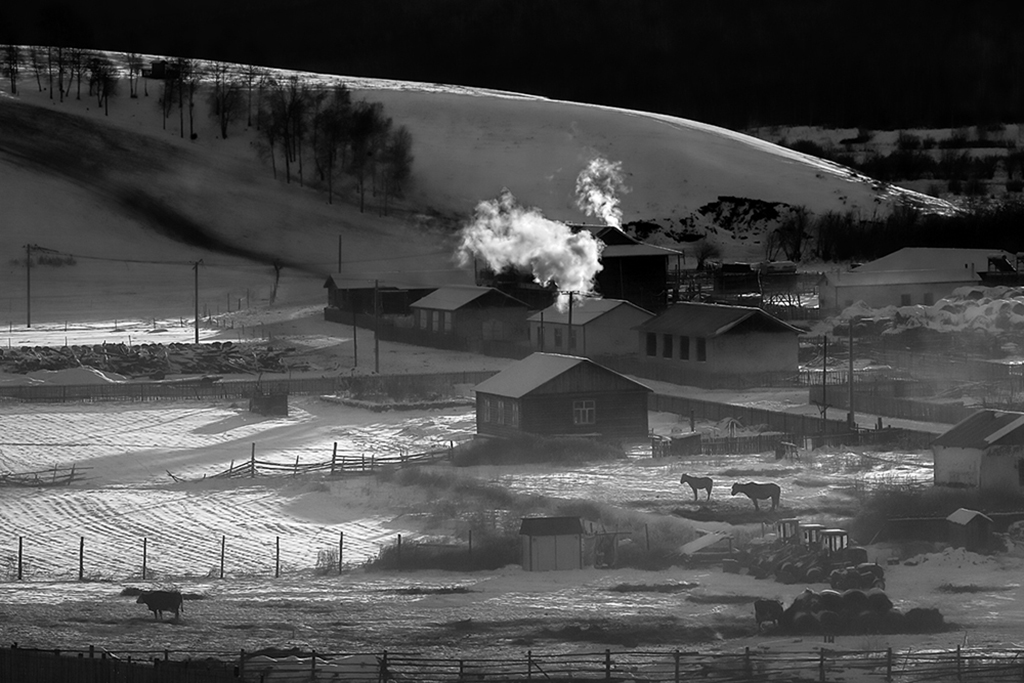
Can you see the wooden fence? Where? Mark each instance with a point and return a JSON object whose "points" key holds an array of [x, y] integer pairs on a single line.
{"points": [[650, 666], [891, 406], [55, 476]]}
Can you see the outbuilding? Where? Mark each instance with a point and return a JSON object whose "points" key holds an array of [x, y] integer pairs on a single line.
{"points": [[969, 529], [716, 339], [472, 313], [558, 395], [591, 327], [983, 451], [552, 543]]}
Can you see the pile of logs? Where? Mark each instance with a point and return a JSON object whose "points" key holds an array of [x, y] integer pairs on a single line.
{"points": [[150, 360]]}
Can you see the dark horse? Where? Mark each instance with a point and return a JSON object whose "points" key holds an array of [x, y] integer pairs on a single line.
{"points": [[697, 483], [756, 492]]}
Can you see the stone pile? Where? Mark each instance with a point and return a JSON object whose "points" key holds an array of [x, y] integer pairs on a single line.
{"points": [[150, 360]]}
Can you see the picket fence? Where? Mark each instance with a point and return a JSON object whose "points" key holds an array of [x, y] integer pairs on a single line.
{"points": [[647, 666]]}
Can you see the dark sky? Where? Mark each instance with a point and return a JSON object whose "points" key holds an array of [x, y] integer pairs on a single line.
{"points": [[731, 62]]}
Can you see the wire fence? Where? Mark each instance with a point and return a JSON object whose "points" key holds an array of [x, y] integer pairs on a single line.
{"points": [[649, 666]]}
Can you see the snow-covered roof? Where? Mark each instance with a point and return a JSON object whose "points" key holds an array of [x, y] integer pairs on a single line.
{"points": [[712, 320], [584, 311], [536, 370], [454, 297], [964, 516], [934, 258], [884, 278], [983, 429]]}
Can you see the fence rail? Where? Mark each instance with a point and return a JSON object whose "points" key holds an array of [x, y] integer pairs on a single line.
{"points": [[650, 666]]}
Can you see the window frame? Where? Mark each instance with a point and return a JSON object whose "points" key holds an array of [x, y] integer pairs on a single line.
{"points": [[584, 412]]}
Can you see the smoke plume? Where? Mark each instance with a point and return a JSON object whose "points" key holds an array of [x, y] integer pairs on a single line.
{"points": [[506, 234], [597, 187]]}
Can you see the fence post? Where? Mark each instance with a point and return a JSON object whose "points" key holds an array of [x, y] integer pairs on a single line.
{"points": [[144, 556], [959, 666], [277, 557], [252, 461], [747, 671], [821, 666], [295, 472], [21, 540], [529, 665], [675, 656], [223, 542], [334, 456], [647, 535], [81, 557], [471, 543], [607, 664], [341, 544], [241, 663], [398, 553], [888, 665]]}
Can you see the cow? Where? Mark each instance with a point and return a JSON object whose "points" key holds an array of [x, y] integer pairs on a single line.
{"points": [[767, 610], [162, 601]]}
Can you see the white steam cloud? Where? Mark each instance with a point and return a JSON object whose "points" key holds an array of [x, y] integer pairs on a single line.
{"points": [[506, 234], [597, 189]]}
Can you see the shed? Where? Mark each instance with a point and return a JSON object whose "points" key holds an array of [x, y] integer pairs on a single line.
{"points": [[717, 339], [557, 395], [984, 451], [910, 276], [969, 529], [359, 295], [591, 327], [550, 543]]}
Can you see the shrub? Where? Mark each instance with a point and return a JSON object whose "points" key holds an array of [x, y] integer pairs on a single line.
{"points": [[908, 142], [975, 187], [1015, 185], [490, 551], [528, 448]]}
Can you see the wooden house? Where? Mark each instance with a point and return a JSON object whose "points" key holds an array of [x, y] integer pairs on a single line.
{"points": [[355, 295], [592, 327], [984, 451], [632, 270], [715, 339], [470, 312], [552, 394], [552, 543], [911, 276], [969, 529]]}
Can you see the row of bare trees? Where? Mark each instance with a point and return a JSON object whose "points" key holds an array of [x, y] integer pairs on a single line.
{"points": [[66, 65], [301, 122]]}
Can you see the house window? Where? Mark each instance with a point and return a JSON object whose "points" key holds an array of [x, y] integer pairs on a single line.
{"points": [[584, 413], [515, 414], [436, 321], [558, 338], [486, 405], [652, 344], [666, 345], [572, 338], [447, 322], [424, 317], [501, 412], [702, 349], [929, 299], [904, 299], [684, 348]]}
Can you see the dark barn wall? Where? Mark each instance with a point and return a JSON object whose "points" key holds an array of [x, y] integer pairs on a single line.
{"points": [[619, 414], [642, 280]]}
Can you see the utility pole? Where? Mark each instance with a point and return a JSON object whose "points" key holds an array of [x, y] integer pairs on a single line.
{"points": [[376, 328], [569, 341], [28, 285], [339, 253], [824, 385], [195, 267], [850, 419]]}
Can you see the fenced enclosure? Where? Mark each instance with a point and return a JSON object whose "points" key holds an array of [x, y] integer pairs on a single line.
{"points": [[650, 666]]}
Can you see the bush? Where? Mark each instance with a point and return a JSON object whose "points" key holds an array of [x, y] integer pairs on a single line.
{"points": [[908, 142], [528, 448], [1015, 185], [490, 551]]}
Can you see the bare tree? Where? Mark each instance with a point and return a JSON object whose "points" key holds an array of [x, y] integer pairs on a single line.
{"points": [[12, 61], [367, 122], [332, 135], [192, 78], [102, 81], [133, 61], [78, 64], [269, 127], [704, 251], [61, 56], [397, 164], [253, 77], [166, 99], [225, 98], [38, 62]]}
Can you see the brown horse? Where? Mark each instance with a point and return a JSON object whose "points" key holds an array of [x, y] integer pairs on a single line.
{"points": [[756, 492], [697, 483]]}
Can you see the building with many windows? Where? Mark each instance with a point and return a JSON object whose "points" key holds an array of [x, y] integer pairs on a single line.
{"points": [[552, 394]]}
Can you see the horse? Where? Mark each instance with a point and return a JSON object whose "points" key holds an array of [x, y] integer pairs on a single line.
{"points": [[697, 483], [767, 610], [756, 492]]}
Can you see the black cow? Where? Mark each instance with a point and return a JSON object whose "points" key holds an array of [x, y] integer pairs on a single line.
{"points": [[767, 610], [162, 601]]}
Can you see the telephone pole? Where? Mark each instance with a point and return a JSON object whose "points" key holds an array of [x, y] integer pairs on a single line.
{"points": [[28, 285], [195, 267]]}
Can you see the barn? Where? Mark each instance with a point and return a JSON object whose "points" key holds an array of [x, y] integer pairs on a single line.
{"points": [[715, 339], [346, 296], [471, 312], [984, 451], [557, 395], [552, 543], [592, 327], [911, 276]]}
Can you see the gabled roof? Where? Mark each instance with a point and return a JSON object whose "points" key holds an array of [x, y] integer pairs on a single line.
{"points": [[712, 320], [964, 516], [550, 526], [339, 281], [584, 311], [454, 297], [536, 370], [934, 258], [883, 278], [617, 243], [983, 429]]}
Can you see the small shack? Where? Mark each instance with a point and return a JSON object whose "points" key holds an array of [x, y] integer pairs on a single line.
{"points": [[969, 529], [551, 543]]}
